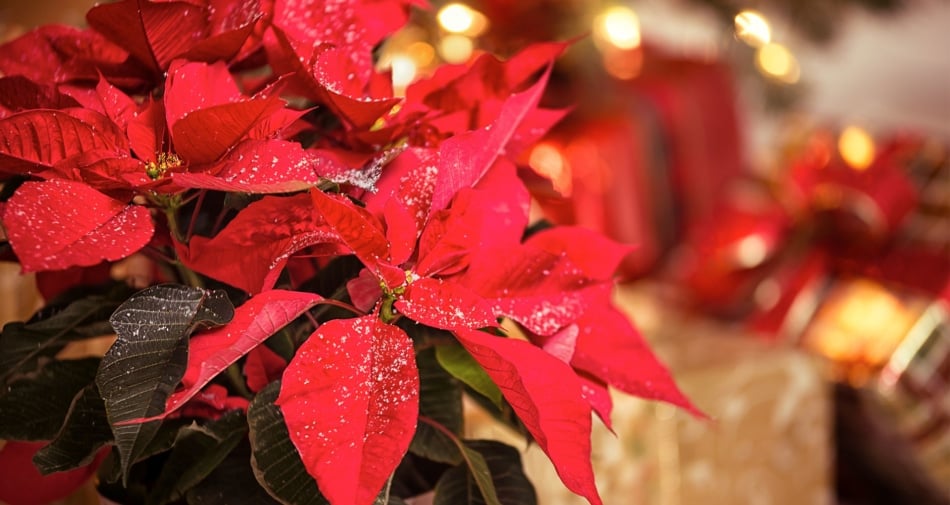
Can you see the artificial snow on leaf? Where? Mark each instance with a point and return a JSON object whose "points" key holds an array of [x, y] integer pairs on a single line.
{"points": [[350, 398], [445, 304], [56, 224], [258, 242], [211, 352], [610, 349], [260, 166], [543, 291], [149, 357]]}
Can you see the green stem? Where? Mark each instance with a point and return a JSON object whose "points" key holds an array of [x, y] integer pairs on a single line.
{"points": [[237, 380]]}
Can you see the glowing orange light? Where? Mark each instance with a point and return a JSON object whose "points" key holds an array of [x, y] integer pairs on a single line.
{"points": [[856, 147]]}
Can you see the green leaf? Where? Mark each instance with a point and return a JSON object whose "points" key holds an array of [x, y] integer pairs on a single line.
{"points": [[440, 399], [50, 329], [231, 482], [34, 407], [198, 450], [465, 485], [275, 460], [85, 431], [458, 362], [149, 358]]}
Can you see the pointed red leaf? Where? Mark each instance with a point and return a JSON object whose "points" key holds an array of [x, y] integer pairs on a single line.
{"points": [[465, 158], [364, 290], [192, 86], [401, 231], [37, 139], [597, 394], [492, 215], [153, 32], [596, 255], [18, 93], [262, 367], [212, 352], [361, 232], [58, 53], [57, 224], [260, 166], [410, 178], [543, 291], [336, 72], [350, 398], [146, 131], [258, 242], [546, 395], [445, 304], [610, 349]]}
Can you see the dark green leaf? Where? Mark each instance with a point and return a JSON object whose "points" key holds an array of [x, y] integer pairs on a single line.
{"points": [[440, 399], [461, 485], [48, 331], [34, 407], [85, 431], [149, 357], [275, 460], [458, 362], [231, 482], [197, 452]]}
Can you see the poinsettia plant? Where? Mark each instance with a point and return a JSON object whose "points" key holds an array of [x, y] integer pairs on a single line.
{"points": [[324, 270]]}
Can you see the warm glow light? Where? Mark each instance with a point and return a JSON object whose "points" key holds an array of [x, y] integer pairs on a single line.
{"points": [[456, 48], [546, 159], [751, 251], [618, 26], [777, 62], [752, 28], [623, 64], [421, 53], [856, 147], [456, 18], [404, 70]]}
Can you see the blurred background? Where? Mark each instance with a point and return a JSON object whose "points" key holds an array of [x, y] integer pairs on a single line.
{"points": [[782, 167]]}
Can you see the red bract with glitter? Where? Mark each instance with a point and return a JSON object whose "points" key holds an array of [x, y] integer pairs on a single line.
{"points": [[313, 272]]}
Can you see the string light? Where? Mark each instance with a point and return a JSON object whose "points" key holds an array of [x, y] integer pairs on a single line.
{"points": [[752, 28], [462, 19], [404, 70], [618, 26], [856, 147], [778, 63], [456, 48]]}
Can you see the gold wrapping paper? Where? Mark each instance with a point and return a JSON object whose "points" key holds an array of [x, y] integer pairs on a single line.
{"points": [[769, 440]]}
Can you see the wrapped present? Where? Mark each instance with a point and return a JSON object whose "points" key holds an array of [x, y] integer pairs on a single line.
{"points": [[892, 345], [768, 440], [642, 159]]}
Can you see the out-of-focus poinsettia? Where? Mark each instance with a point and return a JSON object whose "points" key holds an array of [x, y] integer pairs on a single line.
{"points": [[333, 267]]}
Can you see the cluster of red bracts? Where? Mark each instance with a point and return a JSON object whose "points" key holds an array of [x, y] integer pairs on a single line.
{"points": [[105, 131]]}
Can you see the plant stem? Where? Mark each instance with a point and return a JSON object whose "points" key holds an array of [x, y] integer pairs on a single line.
{"points": [[234, 376], [194, 215]]}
